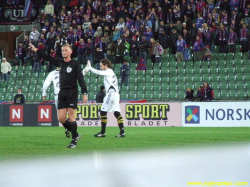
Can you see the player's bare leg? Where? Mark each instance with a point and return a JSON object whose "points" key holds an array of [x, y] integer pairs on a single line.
{"points": [[62, 113]]}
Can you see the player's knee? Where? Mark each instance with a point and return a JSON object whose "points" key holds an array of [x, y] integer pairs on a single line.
{"points": [[103, 113], [117, 114], [61, 119]]}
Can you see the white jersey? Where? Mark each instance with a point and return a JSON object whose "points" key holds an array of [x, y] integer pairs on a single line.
{"points": [[52, 77], [110, 79]]}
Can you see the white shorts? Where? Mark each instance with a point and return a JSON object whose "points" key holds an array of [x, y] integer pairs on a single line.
{"points": [[56, 101], [111, 102]]}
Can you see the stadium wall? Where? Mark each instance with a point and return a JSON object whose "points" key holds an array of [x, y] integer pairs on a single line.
{"points": [[186, 114], [28, 115]]}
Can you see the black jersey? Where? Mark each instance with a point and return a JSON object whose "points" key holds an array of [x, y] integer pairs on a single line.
{"points": [[19, 99], [70, 72]]}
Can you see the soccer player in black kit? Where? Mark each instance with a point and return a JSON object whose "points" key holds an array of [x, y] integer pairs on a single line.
{"points": [[68, 95]]}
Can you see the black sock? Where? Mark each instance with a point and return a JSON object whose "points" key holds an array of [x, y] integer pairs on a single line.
{"points": [[119, 121], [67, 125], [104, 121], [73, 129]]}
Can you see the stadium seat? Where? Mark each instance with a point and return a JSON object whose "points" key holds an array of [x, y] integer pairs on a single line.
{"points": [[157, 79], [197, 70], [34, 75], [232, 77], [165, 95], [157, 87], [223, 78], [148, 79], [149, 95], [165, 87], [157, 95], [19, 82], [165, 79], [141, 87], [38, 97], [149, 87], [165, 71], [172, 95], [157, 71], [9, 96], [173, 79], [172, 86], [32, 88], [240, 77], [33, 81], [124, 96], [188, 71]]}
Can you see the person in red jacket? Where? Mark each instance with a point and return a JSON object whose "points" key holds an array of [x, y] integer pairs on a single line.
{"points": [[207, 93]]}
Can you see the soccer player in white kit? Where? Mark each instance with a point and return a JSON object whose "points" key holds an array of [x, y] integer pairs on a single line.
{"points": [[112, 99]]}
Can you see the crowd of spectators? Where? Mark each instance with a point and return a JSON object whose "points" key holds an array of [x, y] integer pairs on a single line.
{"points": [[139, 29]]}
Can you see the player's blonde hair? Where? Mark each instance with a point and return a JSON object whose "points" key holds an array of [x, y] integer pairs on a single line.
{"points": [[67, 45]]}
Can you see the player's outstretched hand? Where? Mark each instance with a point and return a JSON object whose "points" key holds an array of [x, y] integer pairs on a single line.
{"points": [[85, 98], [88, 63], [33, 48], [44, 98]]}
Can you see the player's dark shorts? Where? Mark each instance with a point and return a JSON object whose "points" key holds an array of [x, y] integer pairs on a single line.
{"points": [[67, 98]]}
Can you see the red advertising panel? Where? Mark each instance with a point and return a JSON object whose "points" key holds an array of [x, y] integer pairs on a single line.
{"points": [[44, 113], [16, 113]]}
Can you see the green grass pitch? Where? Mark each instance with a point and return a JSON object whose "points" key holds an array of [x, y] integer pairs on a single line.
{"points": [[33, 142]]}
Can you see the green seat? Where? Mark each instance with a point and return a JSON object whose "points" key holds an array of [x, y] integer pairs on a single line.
{"points": [[149, 95], [34, 75], [197, 70], [124, 96], [11, 88], [40, 81], [224, 94], [165, 79], [181, 71], [33, 81], [132, 79], [38, 97], [157, 79], [148, 79], [172, 95], [39, 88], [157, 71], [165, 71], [234, 94], [240, 77], [232, 78], [198, 78], [214, 77], [242, 85], [230, 70], [19, 82], [224, 86], [141, 87], [223, 78], [157, 87], [140, 95], [172, 63], [149, 87], [19, 74], [165, 87], [242, 94], [173, 79], [173, 71], [32, 88], [189, 71], [13, 74], [91, 96], [172, 86], [189, 78], [181, 78], [9, 96], [132, 87], [165, 95], [157, 94]]}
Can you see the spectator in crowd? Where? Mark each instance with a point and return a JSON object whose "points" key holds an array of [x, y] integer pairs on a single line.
{"points": [[20, 54], [158, 51], [19, 97], [119, 51], [198, 47], [163, 41], [49, 10], [173, 39], [152, 50], [186, 53], [5, 69], [42, 18], [134, 50], [211, 37], [198, 94], [244, 33], [231, 41], [98, 57], [180, 46], [89, 49], [100, 95], [116, 34], [81, 58], [207, 54], [207, 93], [110, 50], [143, 47], [189, 94], [34, 36], [222, 39], [38, 60], [124, 73]]}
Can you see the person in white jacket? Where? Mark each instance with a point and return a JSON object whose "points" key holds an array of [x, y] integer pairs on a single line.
{"points": [[112, 99], [49, 10], [5, 69]]}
